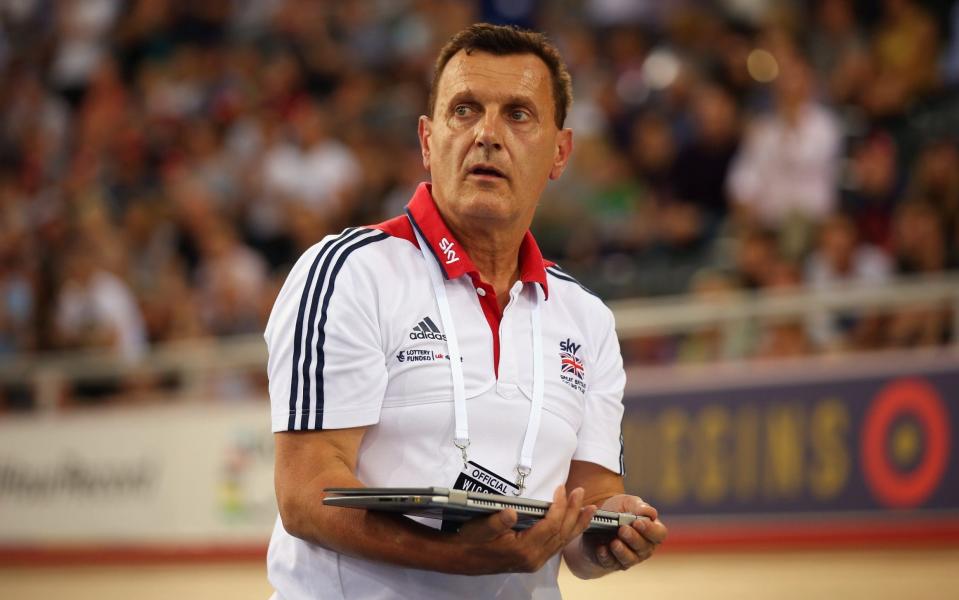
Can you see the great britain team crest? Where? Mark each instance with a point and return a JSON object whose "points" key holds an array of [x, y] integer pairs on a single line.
{"points": [[572, 370]]}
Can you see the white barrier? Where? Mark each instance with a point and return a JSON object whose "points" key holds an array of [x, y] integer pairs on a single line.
{"points": [[174, 476], [196, 362]]}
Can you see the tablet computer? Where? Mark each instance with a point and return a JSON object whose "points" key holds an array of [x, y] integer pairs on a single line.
{"points": [[458, 505]]}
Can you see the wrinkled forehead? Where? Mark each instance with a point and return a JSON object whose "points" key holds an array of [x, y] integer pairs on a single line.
{"points": [[491, 76]]}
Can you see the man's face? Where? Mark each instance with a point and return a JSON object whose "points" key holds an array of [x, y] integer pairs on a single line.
{"points": [[493, 143]]}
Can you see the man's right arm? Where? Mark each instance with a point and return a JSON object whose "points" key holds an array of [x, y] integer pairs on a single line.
{"points": [[308, 462]]}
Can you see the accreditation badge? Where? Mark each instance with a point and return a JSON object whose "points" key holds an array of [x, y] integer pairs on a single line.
{"points": [[477, 478]]}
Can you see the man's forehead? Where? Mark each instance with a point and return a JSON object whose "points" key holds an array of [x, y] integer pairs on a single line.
{"points": [[508, 74]]}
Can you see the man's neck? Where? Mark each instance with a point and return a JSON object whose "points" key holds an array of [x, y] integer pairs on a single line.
{"points": [[495, 252]]}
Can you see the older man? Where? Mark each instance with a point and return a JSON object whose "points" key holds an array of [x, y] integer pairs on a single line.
{"points": [[440, 349]]}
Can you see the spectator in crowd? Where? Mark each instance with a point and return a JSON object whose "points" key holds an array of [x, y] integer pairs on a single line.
{"points": [[610, 199], [935, 179], [920, 249], [95, 308], [81, 29], [786, 168], [230, 278], [905, 48], [17, 300], [920, 240], [653, 150], [872, 188], [836, 36], [780, 338], [756, 254], [840, 258], [950, 58], [18, 271], [310, 169], [716, 342], [702, 165], [167, 321], [839, 52]]}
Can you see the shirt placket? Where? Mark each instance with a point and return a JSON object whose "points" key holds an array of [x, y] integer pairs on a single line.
{"points": [[509, 374]]}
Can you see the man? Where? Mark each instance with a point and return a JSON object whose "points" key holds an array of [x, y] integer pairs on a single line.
{"points": [[785, 170], [400, 355]]}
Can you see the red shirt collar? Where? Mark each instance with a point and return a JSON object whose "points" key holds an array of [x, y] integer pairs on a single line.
{"points": [[450, 254]]}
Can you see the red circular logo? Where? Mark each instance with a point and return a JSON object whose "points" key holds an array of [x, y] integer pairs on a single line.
{"points": [[914, 398]]}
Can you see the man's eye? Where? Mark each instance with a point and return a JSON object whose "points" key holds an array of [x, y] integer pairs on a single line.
{"points": [[519, 115], [462, 110]]}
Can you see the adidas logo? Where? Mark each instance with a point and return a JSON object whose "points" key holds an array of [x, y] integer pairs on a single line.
{"points": [[427, 330]]}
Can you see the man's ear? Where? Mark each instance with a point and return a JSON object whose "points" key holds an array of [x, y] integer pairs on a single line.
{"points": [[424, 130], [564, 148]]}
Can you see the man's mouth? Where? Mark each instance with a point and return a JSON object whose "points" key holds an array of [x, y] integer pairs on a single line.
{"points": [[486, 171]]}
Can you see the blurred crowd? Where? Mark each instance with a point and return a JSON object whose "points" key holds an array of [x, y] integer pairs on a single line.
{"points": [[162, 163]]}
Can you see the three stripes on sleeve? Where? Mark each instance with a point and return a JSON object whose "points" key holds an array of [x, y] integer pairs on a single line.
{"points": [[306, 380]]}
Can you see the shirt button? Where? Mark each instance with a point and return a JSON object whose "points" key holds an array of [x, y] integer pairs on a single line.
{"points": [[481, 291]]}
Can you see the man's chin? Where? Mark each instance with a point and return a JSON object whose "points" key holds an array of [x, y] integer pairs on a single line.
{"points": [[486, 205]]}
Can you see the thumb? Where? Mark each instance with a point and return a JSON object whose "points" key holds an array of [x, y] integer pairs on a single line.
{"points": [[484, 529]]}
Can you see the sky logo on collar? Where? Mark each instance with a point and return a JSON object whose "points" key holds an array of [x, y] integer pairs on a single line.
{"points": [[572, 369], [446, 247]]}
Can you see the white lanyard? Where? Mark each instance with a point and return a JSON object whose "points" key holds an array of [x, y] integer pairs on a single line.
{"points": [[461, 438]]}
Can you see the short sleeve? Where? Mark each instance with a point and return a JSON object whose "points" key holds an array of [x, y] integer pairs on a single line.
{"points": [[326, 364], [599, 439]]}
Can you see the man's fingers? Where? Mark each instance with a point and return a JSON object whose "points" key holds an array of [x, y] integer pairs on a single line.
{"points": [[638, 506], [558, 506], [606, 559], [654, 531], [634, 539], [651, 527], [624, 554], [585, 516], [565, 519], [550, 525], [483, 529], [552, 521], [572, 515]]}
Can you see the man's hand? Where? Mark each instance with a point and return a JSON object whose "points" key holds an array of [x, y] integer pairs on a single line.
{"points": [[633, 543], [595, 555], [498, 548]]}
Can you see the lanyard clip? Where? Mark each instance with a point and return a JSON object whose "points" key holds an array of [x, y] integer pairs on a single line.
{"points": [[522, 473], [463, 446]]}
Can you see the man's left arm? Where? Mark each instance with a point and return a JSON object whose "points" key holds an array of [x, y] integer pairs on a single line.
{"points": [[593, 555], [598, 466]]}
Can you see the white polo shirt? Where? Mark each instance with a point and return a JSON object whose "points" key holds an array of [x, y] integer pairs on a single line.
{"points": [[355, 339]]}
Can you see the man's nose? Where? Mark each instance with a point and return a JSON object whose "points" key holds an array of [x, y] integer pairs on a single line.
{"points": [[488, 135]]}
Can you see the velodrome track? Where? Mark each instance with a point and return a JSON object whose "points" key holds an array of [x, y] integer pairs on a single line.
{"points": [[916, 574]]}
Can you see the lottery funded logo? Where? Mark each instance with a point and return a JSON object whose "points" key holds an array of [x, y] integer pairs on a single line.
{"points": [[421, 355], [572, 369]]}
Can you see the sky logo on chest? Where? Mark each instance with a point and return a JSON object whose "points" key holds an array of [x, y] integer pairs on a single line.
{"points": [[572, 370]]}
